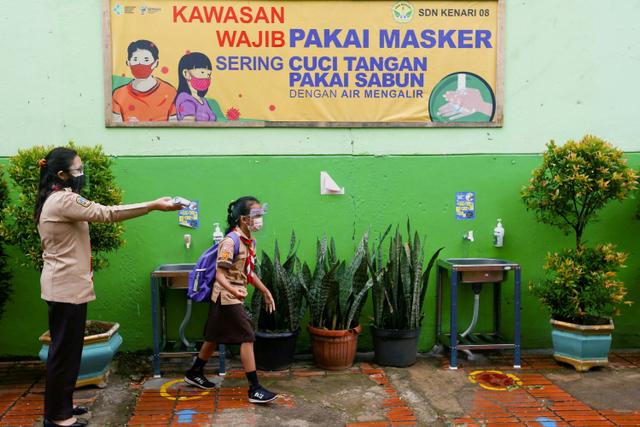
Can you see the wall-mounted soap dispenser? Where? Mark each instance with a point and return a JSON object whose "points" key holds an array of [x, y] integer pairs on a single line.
{"points": [[217, 235], [498, 235]]}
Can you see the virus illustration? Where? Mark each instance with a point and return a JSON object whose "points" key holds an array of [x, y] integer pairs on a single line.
{"points": [[233, 114]]}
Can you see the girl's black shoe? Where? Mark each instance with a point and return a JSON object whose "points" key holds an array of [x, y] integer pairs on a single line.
{"points": [[79, 410], [78, 423]]}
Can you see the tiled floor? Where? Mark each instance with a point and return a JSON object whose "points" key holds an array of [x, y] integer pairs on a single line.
{"points": [[22, 393], [504, 397], [519, 398]]}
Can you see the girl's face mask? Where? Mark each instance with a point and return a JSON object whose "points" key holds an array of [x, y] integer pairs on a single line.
{"points": [[257, 224], [199, 84]]}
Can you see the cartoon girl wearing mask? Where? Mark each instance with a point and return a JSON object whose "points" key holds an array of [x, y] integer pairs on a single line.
{"points": [[194, 75]]}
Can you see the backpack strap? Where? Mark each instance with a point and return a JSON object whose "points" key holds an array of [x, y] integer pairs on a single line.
{"points": [[236, 243]]}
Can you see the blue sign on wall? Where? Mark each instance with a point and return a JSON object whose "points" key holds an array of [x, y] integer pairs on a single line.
{"points": [[466, 205], [189, 216]]}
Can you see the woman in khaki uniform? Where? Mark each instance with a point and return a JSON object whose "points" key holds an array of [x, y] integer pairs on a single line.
{"points": [[62, 216], [227, 322]]}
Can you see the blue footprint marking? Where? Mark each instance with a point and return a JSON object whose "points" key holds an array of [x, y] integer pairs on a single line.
{"points": [[546, 422], [186, 416]]}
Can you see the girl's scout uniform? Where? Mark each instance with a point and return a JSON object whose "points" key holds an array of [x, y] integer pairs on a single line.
{"points": [[67, 285], [228, 323]]}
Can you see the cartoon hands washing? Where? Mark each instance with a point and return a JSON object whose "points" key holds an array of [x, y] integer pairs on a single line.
{"points": [[464, 102]]}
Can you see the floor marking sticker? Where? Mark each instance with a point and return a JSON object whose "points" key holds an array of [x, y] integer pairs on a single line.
{"points": [[495, 380], [165, 393]]}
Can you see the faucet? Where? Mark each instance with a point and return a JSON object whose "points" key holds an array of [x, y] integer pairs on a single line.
{"points": [[187, 240], [468, 236]]}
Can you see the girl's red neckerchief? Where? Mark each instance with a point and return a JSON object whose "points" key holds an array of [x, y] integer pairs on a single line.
{"points": [[251, 259]]}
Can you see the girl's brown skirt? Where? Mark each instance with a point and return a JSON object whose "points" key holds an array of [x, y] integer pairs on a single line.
{"points": [[228, 324]]}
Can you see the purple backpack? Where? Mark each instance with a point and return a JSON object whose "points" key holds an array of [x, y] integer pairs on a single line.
{"points": [[203, 275]]}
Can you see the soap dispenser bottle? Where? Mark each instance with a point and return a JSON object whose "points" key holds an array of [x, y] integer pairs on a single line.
{"points": [[217, 235], [498, 235]]}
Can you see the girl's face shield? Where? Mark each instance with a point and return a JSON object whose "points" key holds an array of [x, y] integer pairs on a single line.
{"points": [[256, 221]]}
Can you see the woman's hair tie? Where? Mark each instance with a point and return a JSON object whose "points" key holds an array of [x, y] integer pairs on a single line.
{"points": [[42, 162]]}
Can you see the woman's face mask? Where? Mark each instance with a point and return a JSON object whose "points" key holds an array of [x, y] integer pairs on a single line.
{"points": [[78, 181]]}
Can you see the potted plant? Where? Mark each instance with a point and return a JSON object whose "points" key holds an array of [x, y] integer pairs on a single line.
{"points": [[573, 183], [18, 228], [336, 294], [101, 342], [399, 290], [277, 332]]}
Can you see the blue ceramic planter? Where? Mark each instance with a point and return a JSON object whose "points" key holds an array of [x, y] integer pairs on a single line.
{"points": [[97, 352], [583, 346]]}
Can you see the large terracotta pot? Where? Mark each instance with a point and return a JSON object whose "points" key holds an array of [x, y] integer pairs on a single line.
{"points": [[334, 350], [583, 346]]}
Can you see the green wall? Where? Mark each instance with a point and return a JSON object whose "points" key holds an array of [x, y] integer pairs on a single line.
{"points": [[379, 190], [569, 71]]}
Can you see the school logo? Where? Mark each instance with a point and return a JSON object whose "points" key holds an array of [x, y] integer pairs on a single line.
{"points": [[224, 256], [83, 202], [119, 10], [403, 12], [143, 10]]}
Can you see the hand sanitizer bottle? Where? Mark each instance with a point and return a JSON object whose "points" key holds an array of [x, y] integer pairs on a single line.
{"points": [[498, 235], [217, 235]]}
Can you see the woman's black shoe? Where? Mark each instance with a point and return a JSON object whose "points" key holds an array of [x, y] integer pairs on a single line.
{"points": [[78, 423], [79, 410]]}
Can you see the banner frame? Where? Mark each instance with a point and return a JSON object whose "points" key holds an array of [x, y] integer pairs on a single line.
{"points": [[499, 95]]}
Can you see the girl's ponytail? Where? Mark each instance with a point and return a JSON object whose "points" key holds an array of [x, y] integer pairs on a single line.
{"points": [[230, 219]]}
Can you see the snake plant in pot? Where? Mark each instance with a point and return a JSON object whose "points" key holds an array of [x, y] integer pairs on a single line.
{"points": [[277, 332], [336, 293], [399, 290]]}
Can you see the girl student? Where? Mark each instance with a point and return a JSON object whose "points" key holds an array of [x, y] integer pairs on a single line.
{"points": [[194, 76], [62, 216], [227, 322]]}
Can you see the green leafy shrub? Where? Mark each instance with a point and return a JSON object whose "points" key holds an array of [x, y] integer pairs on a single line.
{"points": [[400, 286], [284, 285], [573, 183], [584, 287], [336, 293], [5, 275], [18, 227]]}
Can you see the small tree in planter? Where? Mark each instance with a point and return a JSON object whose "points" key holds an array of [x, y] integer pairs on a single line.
{"points": [[277, 332], [573, 183], [5, 274], [19, 229], [336, 294], [399, 290]]}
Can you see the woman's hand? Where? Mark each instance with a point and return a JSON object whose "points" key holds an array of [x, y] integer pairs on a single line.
{"points": [[240, 292], [163, 204], [271, 304]]}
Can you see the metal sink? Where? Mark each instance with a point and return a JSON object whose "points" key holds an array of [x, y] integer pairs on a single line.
{"points": [[479, 270], [177, 275]]}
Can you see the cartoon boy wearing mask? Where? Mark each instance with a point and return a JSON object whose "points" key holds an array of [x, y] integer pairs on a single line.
{"points": [[145, 98]]}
